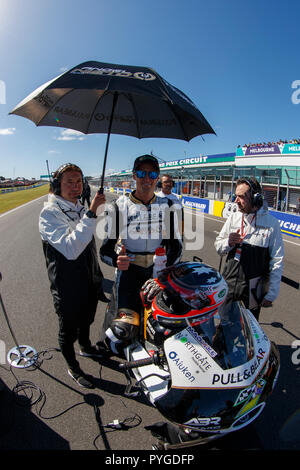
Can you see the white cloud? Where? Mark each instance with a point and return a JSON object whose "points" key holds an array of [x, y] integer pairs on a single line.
{"points": [[53, 152], [70, 134], [7, 131]]}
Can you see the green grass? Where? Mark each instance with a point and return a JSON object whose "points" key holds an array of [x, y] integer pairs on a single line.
{"points": [[9, 201]]}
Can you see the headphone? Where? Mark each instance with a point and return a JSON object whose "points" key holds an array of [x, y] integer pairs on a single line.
{"points": [[255, 193], [57, 175]]}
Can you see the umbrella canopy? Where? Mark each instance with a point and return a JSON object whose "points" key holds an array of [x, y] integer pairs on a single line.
{"points": [[97, 97]]}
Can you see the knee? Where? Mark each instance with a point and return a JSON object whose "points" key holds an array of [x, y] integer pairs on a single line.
{"points": [[67, 335]]}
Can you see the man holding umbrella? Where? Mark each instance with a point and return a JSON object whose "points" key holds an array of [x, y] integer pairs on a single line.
{"points": [[139, 223], [74, 273], [99, 97]]}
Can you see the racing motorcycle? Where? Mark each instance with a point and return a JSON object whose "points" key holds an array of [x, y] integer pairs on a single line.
{"points": [[207, 366]]}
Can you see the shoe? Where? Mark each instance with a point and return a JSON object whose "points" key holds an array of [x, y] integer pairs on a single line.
{"points": [[81, 378], [90, 351]]}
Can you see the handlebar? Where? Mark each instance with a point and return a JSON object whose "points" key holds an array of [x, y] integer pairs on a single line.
{"points": [[155, 359]]}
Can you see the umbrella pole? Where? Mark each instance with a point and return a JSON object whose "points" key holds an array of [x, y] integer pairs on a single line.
{"points": [[107, 142]]}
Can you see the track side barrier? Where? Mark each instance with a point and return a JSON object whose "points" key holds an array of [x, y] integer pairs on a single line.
{"points": [[289, 223], [19, 188]]}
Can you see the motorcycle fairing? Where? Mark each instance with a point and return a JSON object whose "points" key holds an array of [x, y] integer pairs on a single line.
{"points": [[218, 374], [220, 410], [223, 353], [155, 380]]}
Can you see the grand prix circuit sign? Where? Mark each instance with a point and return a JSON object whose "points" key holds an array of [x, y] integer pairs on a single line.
{"points": [[199, 160]]}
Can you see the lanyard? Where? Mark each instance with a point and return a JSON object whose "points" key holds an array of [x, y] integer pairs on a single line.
{"points": [[238, 251], [70, 210], [243, 234]]}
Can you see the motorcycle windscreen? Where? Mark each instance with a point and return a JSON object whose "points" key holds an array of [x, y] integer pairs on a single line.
{"points": [[229, 335]]}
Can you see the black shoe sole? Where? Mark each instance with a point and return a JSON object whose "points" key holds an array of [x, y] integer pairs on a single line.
{"points": [[87, 384]]}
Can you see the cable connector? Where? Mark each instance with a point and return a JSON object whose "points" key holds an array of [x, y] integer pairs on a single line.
{"points": [[115, 424], [127, 423]]}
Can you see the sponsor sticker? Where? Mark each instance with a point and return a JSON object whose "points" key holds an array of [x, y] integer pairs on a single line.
{"points": [[211, 423], [181, 366], [250, 397], [233, 378], [201, 341]]}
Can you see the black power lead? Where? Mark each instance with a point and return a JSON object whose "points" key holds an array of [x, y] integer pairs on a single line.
{"points": [[35, 396], [116, 425], [127, 423]]}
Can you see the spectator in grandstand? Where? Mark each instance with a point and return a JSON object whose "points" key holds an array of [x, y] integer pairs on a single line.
{"points": [[270, 144], [251, 239]]}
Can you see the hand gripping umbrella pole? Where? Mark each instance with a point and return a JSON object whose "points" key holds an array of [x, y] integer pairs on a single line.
{"points": [[19, 356]]}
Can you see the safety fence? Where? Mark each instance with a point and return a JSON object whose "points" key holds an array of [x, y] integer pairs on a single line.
{"points": [[19, 188]]}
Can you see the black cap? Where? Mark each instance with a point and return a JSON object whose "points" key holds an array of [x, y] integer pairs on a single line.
{"points": [[146, 159]]}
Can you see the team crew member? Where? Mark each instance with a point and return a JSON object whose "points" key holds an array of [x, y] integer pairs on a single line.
{"points": [[138, 224], [251, 238], [167, 184], [75, 277]]}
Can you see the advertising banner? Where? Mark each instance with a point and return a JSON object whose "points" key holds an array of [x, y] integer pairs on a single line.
{"points": [[280, 149], [289, 223], [274, 149], [196, 204], [291, 148]]}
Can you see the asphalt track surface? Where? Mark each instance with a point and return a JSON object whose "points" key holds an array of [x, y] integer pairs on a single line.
{"points": [[67, 417]]}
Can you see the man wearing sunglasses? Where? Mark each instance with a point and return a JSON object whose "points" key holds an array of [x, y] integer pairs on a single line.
{"points": [[139, 223]]}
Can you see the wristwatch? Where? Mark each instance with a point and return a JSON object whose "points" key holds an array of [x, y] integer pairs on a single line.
{"points": [[91, 215]]}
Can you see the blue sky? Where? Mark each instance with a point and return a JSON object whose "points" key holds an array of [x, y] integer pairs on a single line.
{"points": [[235, 59]]}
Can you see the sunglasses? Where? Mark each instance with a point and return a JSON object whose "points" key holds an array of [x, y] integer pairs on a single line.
{"points": [[142, 174]]}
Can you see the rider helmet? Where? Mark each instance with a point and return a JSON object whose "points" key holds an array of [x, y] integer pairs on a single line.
{"points": [[190, 290]]}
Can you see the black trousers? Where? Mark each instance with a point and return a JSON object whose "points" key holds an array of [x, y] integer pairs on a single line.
{"points": [[87, 199], [75, 326]]}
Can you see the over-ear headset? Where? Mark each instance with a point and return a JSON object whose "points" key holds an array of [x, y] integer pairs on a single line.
{"points": [[56, 178], [255, 193]]}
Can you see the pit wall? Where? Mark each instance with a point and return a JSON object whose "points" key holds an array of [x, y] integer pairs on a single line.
{"points": [[289, 223]]}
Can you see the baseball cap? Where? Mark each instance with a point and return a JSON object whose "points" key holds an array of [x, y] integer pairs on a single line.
{"points": [[145, 159]]}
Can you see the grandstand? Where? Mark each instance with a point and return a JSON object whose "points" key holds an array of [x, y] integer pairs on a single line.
{"points": [[276, 165]]}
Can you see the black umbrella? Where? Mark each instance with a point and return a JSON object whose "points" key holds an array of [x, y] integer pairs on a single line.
{"points": [[97, 97]]}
